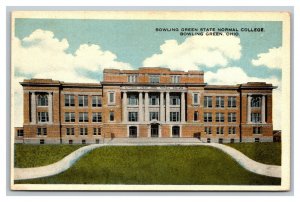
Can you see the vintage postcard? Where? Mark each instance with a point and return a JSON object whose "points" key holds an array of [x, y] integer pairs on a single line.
{"points": [[150, 100]]}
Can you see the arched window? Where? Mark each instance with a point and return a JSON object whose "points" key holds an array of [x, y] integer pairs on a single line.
{"points": [[42, 100], [256, 102]]}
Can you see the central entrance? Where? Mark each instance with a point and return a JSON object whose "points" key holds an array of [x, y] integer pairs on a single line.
{"points": [[154, 130]]}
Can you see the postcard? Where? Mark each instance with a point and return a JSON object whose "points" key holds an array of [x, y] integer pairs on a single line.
{"points": [[150, 100]]}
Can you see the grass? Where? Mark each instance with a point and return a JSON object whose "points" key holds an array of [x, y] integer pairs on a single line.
{"points": [[39, 155], [179, 165], [264, 152]]}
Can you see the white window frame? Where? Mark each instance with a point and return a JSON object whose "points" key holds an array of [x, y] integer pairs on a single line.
{"points": [[231, 102], [220, 117], [70, 131], [133, 100], [220, 130], [40, 98], [132, 78], [83, 131], [69, 100], [150, 116], [96, 101], [207, 117], [84, 99], [220, 101], [132, 117], [207, 102], [175, 79], [208, 130], [256, 118], [111, 102], [111, 114], [43, 117], [69, 116], [154, 78], [198, 99], [96, 131], [97, 117], [231, 117], [177, 117], [84, 116]]}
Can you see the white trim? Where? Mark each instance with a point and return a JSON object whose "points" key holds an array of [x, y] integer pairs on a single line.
{"points": [[137, 130]]}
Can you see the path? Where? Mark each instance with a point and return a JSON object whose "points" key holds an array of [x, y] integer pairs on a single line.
{"points": [[68, 161]]}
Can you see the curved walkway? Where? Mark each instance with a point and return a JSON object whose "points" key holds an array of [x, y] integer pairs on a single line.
{"points": [[68, 161]]}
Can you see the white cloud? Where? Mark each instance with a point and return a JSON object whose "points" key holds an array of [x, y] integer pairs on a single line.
{"points": [[42, 55], [272, 59], [235, 75], [195, 51]]}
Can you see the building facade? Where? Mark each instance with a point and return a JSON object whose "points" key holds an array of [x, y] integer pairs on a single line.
{"points": [[145, 103]]}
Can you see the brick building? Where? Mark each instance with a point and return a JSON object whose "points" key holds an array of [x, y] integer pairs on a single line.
{"points": [[145, 103]]}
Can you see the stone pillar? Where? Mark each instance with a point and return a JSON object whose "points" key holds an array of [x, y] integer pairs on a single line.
{"points": [[124, 107], [263, 109], [167, 107], [50, 104], [249, 109], [182, 107], [146, 107], [161, 107], [33, 108], [141, 116]]}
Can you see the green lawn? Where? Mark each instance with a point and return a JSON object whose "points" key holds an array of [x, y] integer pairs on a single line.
{"points": [[264, 152], [39, 155], [157, 165]]}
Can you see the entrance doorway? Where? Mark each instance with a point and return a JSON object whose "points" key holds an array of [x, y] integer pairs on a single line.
{"points": [[132, 131], [154, 130], [175, 131]]}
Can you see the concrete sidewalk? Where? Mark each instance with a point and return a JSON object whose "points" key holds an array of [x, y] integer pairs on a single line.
{"points": [[68, 161]]}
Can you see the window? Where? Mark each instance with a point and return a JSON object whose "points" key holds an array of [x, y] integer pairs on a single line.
{"points": [[208, 140], [42, 100], [42, 141], [231, 101], [220, 130], [219, 117], [83, 141], [195, 98], [97, 117], [70, 131], [207, 130], [196, 115], [20, 132], [43, 116], [174, 100], [111, 116], [83, 100], [132, 78], [133, 100], [154, 100], [83, 117], [256, 139], [97, 141], [69, 117], [232, 117], [70, 141], [133, 132], [174, 116], [220, 101], [231, 130], [208, 101], [256, 130], [41, 131], [132, 116], [154, 78], [97, 131], [231, 140], [83, 131], [111, 98], [256, 102], [207, 117], [153, 116], [175, 78], [220, 140], [69, 101], [255, 117], [96, 101]]}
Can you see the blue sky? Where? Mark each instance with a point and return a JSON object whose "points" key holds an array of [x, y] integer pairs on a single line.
{"points": [[78, 51], [134, 40]]}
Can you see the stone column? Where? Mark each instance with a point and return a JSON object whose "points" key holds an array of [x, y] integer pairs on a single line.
{"points": [[167, 107], [182, 107], [146, 107], [161, 107], [263, 109], [50, 107], [249, 109], [141, 116], [33, 108], [124, 107]]}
